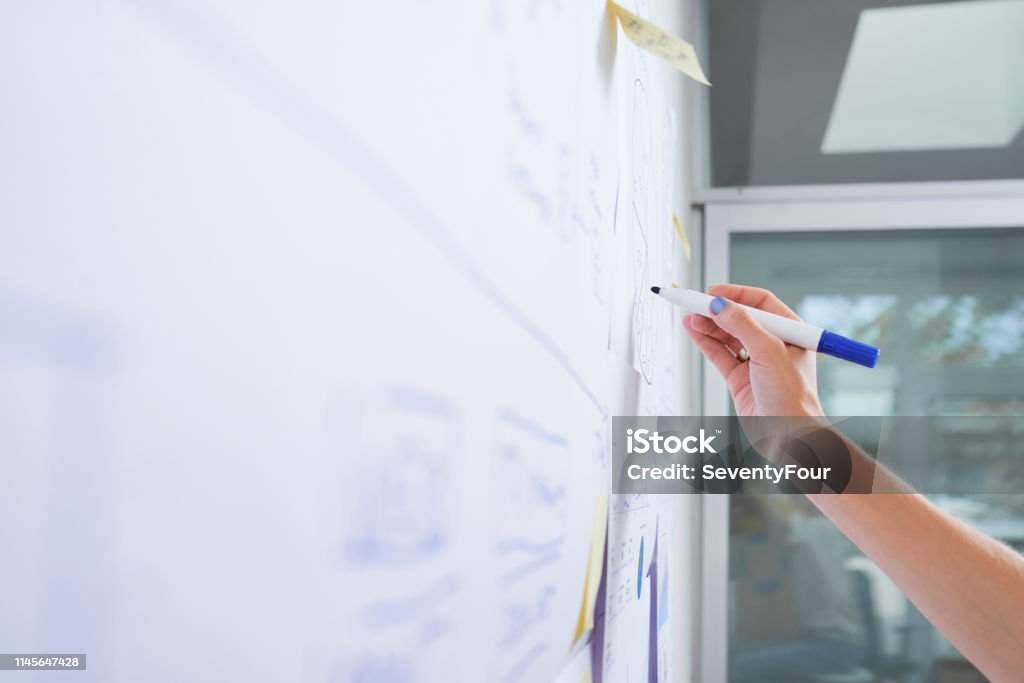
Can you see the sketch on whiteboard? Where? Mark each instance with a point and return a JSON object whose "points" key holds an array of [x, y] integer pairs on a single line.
{"points": [[398, 562], [401, 510], [529, 475], [529, 478], [643, 343], [538, 145], [588, 215], [403, 639]]}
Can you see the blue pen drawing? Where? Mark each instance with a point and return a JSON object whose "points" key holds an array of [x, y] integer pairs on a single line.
{"points": [[529, 484], [400, 512], [254, 75], [393, 611], [642, 152], [67, 443]]}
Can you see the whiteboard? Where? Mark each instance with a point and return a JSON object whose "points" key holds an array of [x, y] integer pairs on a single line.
{"points": [[312, 319]]}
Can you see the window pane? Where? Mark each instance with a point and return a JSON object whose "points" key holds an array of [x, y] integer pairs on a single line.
{"points": [[847, 91], [967, 330], [945, 308]]}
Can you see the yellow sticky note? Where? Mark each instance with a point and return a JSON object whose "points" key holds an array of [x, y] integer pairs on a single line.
{"points": [[595, 567], [673, 50], [682, 235]]}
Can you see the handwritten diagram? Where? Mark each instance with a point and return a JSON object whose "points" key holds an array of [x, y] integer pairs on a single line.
{"points": [[400, 515], [530, 471], [641, 201]]}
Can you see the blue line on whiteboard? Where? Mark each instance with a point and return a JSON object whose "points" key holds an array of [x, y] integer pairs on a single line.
{"points": [[371, 666], [435, 628], [511, 545], [525, 616], [257, 78], [624, 502], [407, 398], [384, 613], [530, 427], [385, 547], [522, 178], [524, 570], [548, 495], [530, 127], [35, 327]]}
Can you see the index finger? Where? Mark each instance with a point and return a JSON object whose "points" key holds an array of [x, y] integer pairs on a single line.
{"points": [[754, 297]]}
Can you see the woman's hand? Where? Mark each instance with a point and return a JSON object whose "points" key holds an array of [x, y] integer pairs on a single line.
{"points": [[975, 595], [779, 379]]}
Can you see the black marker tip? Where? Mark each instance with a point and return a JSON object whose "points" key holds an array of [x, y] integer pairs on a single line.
{"points": [[656, 290]]}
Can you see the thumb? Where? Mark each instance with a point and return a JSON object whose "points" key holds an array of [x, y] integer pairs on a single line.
{"points": [[737, 321]]}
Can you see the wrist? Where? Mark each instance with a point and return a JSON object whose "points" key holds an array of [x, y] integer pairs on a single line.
{"points": [[809, 408]]}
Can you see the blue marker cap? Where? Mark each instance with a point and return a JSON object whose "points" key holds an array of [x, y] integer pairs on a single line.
{"points": [[848, 349]]}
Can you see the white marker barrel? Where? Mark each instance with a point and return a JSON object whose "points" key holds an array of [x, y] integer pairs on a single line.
{"points": [[795, 332]]}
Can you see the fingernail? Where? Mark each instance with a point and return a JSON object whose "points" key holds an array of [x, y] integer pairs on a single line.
{"points": [[718, 304]]}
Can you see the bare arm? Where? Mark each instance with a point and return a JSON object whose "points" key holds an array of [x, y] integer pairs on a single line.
{"points": [[968, 585]]}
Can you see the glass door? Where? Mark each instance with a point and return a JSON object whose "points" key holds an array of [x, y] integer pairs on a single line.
{"points": [[939, 287]]}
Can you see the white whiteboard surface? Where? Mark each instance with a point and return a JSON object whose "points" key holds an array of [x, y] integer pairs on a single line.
{"points": [[310, 322]]}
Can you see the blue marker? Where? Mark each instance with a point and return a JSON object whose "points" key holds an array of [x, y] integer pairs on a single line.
{"points": [[795, 332]]}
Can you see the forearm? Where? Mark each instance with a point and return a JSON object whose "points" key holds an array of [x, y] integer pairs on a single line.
{"points": [[969, 586]]}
